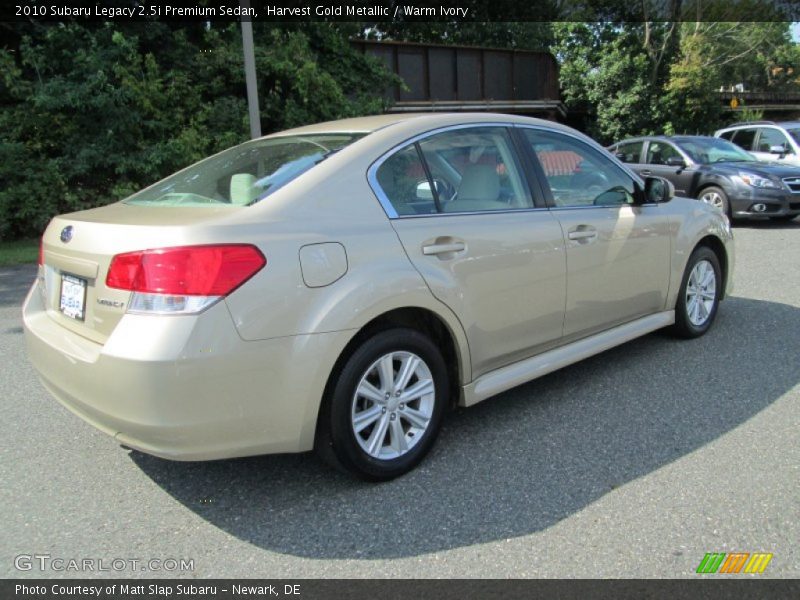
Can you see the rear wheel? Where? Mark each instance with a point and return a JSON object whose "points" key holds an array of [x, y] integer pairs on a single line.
{"points": [[698, 298], [716, 197], [386, 406]]}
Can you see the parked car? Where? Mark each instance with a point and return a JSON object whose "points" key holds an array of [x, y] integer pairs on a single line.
{"points": [[717, 172], [768, 141], [339, 286]]}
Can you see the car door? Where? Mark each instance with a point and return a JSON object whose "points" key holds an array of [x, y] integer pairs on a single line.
{"points": [[681, 173], [768, 138], [618, 251], [466, 218]]}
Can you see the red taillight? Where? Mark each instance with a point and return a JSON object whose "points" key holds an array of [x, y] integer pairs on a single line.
{"points": [[214, 270]]}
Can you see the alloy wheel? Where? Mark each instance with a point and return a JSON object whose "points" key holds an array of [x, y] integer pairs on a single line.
{"points": [[393, 405], [701, 293]]}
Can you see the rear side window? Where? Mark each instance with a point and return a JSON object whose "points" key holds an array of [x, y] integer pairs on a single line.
{"points": [[404, 182], [745, 138], [630, 152], [465, 170]]}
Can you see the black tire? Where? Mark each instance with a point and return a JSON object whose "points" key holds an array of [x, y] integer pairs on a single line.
{"points": [[337, 441], [686, 321], [709, 193]]}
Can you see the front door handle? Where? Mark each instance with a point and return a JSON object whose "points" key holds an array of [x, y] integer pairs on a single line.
{"points": [[646, 172], [583, 234], [443, 248]]}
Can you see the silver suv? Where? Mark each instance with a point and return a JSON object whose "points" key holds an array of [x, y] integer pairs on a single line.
{"points": [[766, 140]]}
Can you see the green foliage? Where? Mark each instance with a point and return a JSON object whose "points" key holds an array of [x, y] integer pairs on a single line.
{"points": [[19, 251], [749, 114], [639, 78], [690, 92], [91, 113], [607, 74]]}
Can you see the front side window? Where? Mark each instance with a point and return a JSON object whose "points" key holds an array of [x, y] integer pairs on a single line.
{"points": [[658, 153], [772, 137], [458, 171], [577, 174], [245, 174]]}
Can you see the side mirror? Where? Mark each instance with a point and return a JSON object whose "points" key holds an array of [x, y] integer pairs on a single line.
{"points": [[658, 189], [675, 161], [621, 156], [778, 149]]}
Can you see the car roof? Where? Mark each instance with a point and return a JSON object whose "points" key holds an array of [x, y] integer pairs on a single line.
{"points": [[665, 138], [752, 124], [374, 123]]}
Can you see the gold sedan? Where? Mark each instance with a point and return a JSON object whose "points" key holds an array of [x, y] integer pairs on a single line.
{"points": [[339, 286]]}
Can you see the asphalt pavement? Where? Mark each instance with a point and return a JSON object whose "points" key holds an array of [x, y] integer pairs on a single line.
{"points": [[634, 463]]}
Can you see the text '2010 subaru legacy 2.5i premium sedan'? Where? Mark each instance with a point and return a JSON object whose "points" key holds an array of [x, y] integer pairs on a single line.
{"points": [[717, 172], [338, 286]]}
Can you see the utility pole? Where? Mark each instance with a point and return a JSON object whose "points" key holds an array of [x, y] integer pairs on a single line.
{"points": [[250, 71]]}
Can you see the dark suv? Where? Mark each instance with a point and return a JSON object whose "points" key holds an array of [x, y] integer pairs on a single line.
{"points": [[718, 172]]}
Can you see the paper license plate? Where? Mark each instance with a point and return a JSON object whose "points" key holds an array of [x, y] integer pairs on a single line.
{"points": [[73, 297]]}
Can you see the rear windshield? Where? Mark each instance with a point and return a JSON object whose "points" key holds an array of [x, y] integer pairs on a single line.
{"points": [[245, 174]]}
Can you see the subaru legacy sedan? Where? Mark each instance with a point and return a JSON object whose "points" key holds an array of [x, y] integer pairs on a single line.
{"points": [[718, 172], [340, 286]]}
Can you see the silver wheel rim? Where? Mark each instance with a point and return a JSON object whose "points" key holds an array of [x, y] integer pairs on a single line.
{"points": [[393, 405], [714, 199], [701, 291]]}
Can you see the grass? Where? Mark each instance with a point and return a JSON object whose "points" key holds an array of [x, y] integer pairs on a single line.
{"points": [[18, 251]]}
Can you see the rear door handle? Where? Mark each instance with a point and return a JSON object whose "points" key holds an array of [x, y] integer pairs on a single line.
{"points": [[646, 172], [431, 249]]}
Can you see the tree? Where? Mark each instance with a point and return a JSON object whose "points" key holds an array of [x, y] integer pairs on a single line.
{"points": [[91, 112]]}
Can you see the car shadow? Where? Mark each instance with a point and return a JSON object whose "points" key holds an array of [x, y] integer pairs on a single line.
{"points": [[518, 463]]}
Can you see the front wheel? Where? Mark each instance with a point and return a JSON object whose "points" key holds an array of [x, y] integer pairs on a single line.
{"points": [[698, 298], [716, 197], [385, 408]]}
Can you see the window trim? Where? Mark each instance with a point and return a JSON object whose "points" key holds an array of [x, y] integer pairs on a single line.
{"points": [[388, 207]]}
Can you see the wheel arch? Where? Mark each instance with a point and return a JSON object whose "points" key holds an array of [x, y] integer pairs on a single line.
{"points": [[714, 244], [427, 322]]}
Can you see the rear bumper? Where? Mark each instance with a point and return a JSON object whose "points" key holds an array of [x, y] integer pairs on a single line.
{"points": [[186, 387]]}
